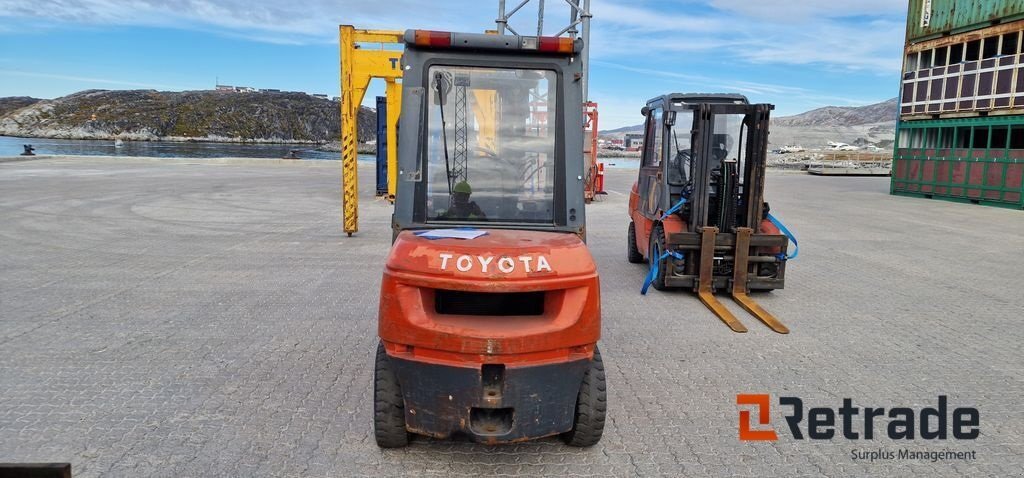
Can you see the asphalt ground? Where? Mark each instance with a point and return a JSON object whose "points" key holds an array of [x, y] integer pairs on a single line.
{"points": [[210, 318]]}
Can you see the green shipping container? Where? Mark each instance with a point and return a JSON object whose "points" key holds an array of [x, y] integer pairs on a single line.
{"points": [[928, 19], [978, 160]]}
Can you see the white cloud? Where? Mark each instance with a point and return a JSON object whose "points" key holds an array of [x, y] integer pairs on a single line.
{"points": [[874, 47], [261, 20], [728, 85], [811, 36], [800, 11], [84, 79], [706, 81], [768, 32], [644, 20], [798, 32]]}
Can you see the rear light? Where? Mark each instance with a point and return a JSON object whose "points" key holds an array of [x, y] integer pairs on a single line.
{"points": [[476, 41], [433, 38], [555, 44]]}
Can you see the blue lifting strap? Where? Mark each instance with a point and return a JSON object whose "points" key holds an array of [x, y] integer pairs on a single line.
{"points": [[782, 227], [674, 209], [655, 267]]}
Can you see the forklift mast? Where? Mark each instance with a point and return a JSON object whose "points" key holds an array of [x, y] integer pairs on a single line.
{"points": [[724, 168]]}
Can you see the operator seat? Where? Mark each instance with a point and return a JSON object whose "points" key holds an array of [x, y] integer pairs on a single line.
{"points": [[678, 175]]}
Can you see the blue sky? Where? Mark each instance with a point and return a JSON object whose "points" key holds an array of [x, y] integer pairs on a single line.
{"points": [[797, 54]]}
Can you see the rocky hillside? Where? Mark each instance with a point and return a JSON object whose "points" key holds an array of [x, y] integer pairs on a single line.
{"points": [[843, 115], [180, 116], [12, 103], [862, 126], [827, 117]]}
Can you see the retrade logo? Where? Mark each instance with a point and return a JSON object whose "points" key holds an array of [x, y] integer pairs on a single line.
{"points": [[855, 423], [761, 401]]}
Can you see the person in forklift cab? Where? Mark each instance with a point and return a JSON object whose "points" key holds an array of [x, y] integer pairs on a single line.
{"points": [[461, 207]]}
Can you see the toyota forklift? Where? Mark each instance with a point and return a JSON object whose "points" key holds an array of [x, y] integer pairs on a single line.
{"points": [[490, 304], [697, 210]]}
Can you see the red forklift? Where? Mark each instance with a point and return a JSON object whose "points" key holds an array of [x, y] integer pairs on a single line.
{"points": [[490, 306], [697, 210]]}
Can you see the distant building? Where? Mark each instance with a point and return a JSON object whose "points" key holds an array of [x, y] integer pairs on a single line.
{"points": [[249, 89], [634, 141], [235, 89]]}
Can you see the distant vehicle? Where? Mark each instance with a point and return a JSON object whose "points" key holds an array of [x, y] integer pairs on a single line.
{"points": [[697, 210], [842, 146]]}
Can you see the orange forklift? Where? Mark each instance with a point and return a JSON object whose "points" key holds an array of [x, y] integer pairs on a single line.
{"points": [[697, 210], [490, 304]]}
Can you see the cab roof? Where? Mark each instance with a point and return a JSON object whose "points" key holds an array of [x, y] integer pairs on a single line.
{"points": [[697, 98], [493, 42]]}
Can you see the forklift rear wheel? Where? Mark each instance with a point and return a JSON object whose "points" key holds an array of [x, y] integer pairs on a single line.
{"points": [[388, 404], [591, 405], [632, 252], [654, 252]]}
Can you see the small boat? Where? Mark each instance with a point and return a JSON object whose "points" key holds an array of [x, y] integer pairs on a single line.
{"points": [[118, 143]]}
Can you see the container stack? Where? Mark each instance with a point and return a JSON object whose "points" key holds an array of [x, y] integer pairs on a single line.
{"points": [[960, 135]]}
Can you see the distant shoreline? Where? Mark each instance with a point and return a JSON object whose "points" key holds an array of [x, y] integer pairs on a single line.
{"points": [[166, 139], [329, 146]]}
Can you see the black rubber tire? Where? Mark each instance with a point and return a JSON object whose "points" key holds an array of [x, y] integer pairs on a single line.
{"points": [[388, 404], [591, 406], [633, 254], [654, 251]]}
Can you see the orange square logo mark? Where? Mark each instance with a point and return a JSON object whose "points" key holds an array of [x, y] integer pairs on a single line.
{"points": [[763, 415]]}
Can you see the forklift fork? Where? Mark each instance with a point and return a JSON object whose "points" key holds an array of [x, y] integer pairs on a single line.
{"points": [[741, 262], [740, 269], [705, 291]]}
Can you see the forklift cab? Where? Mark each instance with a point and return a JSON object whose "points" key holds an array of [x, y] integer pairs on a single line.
{"points": [[490, 133], [691, 143], [489, 333]]}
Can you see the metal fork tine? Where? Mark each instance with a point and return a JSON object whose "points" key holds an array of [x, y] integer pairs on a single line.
{"points": [[739, 282], [704, 290]]}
